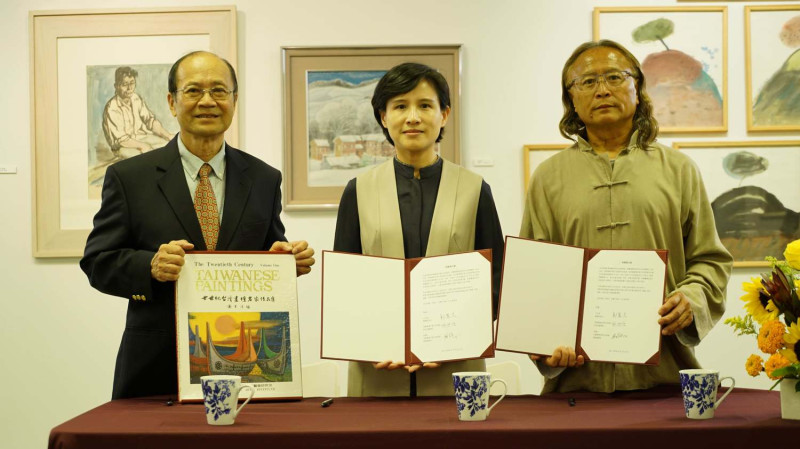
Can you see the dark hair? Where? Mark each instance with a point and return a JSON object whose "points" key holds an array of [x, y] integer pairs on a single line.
{"points": [[404, 78], [122, 72], [172, 83], [643, 120]]}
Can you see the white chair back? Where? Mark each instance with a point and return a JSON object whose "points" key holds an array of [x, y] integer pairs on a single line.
{"points": [[321, 380], [508, 371]]}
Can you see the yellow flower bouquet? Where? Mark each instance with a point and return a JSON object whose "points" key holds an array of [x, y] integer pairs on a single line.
{"points": [[773, 309]]}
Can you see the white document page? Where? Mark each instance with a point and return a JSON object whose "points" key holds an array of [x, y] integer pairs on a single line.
{"points": [[624, 290], [540, 296], [363, 307], [451, 307]]}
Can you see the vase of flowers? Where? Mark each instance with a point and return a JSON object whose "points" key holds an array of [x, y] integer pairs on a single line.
{"points": [[773, 309]]}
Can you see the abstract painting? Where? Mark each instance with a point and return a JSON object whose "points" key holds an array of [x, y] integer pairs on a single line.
{"points": [[772, 55], [683, 53], [754, 192]]}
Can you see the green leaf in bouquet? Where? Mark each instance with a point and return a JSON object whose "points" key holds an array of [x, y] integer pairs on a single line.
{"points": [[742, 325], [792, 371]]}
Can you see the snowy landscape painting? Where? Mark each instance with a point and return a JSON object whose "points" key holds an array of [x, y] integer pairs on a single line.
{"points": [[330, 132], [344, 139]]}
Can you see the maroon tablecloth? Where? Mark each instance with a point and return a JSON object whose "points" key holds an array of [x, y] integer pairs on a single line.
{"points": [[653, 419]]}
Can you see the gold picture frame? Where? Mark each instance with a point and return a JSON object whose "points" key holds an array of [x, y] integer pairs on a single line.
{"points": [[533, 155], [326, 141], [64, 45], [766, 62], [754, 192], [688, 87]]}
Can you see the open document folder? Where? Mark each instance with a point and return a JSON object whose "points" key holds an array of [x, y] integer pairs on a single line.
{"points": [[431, 309], [604, 303]]}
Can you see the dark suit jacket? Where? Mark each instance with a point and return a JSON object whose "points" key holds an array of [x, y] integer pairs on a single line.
{"points": [[146, 202]]}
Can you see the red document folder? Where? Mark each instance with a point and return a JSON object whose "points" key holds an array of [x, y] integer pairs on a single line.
{"points": [[602, 302], [371, 313]]}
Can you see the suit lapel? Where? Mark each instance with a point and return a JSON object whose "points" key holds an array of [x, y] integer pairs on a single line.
{"points": [[173, 185], [237, 191]]}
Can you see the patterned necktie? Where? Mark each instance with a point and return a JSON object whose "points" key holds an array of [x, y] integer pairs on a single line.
{"points": [[205, 204]]}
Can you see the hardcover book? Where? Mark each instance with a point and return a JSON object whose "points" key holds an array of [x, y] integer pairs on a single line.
{"points": [[236, 314]]}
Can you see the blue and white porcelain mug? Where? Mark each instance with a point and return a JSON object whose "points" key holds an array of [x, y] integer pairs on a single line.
{"points": [[472, 394], [220, 396], [699, 388]]}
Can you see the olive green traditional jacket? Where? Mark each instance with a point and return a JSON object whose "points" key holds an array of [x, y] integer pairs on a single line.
{"points": [[651, 198]]}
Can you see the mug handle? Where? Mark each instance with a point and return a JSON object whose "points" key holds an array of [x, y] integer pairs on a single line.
{"points": [[733, 385], [505, 390], [252, 392]]}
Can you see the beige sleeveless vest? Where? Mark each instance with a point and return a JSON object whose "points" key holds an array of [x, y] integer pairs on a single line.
{"points": [[452, 231], [453, 225]]}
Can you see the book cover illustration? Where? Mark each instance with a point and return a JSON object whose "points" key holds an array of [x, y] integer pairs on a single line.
{"points": [[254, 345]]}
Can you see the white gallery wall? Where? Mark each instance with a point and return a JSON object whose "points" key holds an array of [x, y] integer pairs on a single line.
{"points": [[59, 337]]}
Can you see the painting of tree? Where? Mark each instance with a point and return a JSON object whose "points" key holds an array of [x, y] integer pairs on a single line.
{"points": [[682, 52]]}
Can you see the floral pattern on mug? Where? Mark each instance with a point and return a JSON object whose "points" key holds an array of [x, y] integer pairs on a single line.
{"points": [[469, 395], [215, 394], [697, 393]]}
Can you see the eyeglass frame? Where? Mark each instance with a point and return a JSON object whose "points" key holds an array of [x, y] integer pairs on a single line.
{"points": [[575, 80], [207, 91]]}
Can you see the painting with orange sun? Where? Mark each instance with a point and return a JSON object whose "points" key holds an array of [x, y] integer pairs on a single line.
{"points": [[236, 314]]}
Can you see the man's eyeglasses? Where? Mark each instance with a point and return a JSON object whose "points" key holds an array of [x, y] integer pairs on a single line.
{"points": [[196, 93], [589, 83]]}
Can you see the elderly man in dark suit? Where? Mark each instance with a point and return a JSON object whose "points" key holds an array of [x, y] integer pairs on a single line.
{"points": [[195, 193]]}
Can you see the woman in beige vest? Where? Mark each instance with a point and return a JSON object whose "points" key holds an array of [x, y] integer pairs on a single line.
{"points": [[415, 205]]}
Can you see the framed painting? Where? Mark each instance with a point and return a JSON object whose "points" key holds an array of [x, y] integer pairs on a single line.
{"points": [[754, 192], [87, 69], [535, 154], [330, 132], [683, 52], [772, 60]]}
